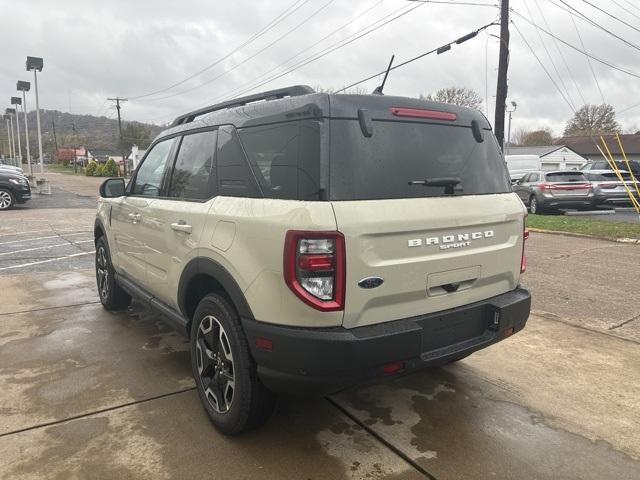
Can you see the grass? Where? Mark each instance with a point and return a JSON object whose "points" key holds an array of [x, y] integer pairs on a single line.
{"points": [[585, 226], [64, 169]]}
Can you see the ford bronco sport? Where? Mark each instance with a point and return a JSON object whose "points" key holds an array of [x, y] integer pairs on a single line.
{"points": [[305, 242]]}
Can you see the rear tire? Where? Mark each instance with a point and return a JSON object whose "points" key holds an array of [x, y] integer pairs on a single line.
{"points": [[534, 206], [7, 200], [112, 296], [225, 373]]}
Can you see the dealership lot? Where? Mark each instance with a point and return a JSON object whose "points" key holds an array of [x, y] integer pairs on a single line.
{"points": [[89, 394]]}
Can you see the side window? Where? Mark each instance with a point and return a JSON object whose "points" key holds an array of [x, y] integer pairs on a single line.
{"points": [[286, 159], [192, 172], [525, 179], [235, 178], [149, 176], [534, 177]]}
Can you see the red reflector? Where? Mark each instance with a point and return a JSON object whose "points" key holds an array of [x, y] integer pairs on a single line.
{"points": [[264, 344], [392, 368], [508, 332], [523, 264], [418, 113], [317, 263]]}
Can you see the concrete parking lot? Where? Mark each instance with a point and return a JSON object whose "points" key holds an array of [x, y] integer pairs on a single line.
{"points": [[89, 394]]}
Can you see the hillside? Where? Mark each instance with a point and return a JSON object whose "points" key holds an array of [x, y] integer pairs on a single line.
{"points": [[90, 131]]}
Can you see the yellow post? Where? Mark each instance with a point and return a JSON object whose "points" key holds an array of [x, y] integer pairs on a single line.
{"points": [[615, 168], [626, 161]]}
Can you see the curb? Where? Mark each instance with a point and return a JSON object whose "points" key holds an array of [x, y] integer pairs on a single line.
{"points": [[583, 235]]}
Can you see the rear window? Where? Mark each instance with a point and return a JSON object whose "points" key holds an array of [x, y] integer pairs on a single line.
{"points": [[565, 177], [285, 158], [606, 177], [381, 167]]}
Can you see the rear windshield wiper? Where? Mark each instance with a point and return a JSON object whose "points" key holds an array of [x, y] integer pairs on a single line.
{"points": [[451, 184]]}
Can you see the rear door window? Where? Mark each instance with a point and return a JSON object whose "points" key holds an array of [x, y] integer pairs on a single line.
{"points": [[285, 158], [192, 173], [381, 167], [235, 178], [566, 177]]}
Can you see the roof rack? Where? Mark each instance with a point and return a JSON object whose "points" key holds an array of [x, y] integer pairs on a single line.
{"points": [[292, 91]]}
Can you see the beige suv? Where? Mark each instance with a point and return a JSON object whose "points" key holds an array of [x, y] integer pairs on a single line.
{"points": [[305, 242]]}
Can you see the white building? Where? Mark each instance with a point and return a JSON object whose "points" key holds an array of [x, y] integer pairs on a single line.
{"points": [[553, 157]]}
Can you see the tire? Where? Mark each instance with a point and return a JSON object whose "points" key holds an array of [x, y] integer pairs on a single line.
{"points": [[225, 373], [112, 296], [7, 200], [534, 206]]}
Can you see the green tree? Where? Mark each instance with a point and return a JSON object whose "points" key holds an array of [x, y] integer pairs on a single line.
{"points": [[462, 96], [593, 120], [111, 169], [90, 171], [134, 133]]}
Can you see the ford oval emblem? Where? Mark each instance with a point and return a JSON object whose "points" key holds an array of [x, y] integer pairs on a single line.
{"points": [[370, 282]]}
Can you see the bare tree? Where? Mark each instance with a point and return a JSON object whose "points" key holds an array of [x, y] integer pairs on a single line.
{"points": [[462, 96], [593, 120], [537, 138]]}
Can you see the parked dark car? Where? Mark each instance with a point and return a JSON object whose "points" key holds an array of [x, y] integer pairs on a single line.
{"points": [[608, 190], [14, 188], [550, 191], [596, 165]]}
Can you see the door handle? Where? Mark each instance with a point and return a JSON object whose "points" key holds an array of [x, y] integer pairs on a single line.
{"points": [[181, 226], [135, 217]]}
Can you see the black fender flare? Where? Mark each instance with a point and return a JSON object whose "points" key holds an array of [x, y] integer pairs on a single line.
{"points": [[207, 266]]}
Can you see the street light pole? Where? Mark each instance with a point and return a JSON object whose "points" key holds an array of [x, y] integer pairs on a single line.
{"points": [[24, 88], [18, 101], [8, 119], [9, 111], [35, 64], [510, 112]]}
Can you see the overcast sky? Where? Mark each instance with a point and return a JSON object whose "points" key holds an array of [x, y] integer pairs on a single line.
{"points": [[94, 49]]}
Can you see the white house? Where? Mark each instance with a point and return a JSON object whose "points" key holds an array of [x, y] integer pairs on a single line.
{"points": [[553, 157], [135, 156]]}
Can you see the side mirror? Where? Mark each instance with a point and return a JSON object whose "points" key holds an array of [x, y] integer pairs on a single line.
{"points": [[112, 188]]}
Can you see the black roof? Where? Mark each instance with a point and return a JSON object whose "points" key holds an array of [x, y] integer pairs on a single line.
{"points": [[298, 102]]}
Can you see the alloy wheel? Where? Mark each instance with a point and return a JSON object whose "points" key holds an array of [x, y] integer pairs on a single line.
{"points": [[215, 364], [533, 205], [5, 200], [102, 271]]}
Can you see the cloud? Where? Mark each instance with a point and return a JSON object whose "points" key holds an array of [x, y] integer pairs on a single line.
{"points": [[97, 49]]}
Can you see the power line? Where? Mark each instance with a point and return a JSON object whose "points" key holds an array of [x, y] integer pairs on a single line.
{"points": [[569, 8], [611, 15], [262, 76], [287, 33], [595, 77], [441, 48], [291, 9], [313, 58], [626, 9], [562, 57], [543, 67], [553, 64], [593, 57], [631, 4]]}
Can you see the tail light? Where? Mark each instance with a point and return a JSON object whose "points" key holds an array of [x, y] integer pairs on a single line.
{"points": [[609, 185], [553, 186], [314, 268], [420, 113], [523, 262]]}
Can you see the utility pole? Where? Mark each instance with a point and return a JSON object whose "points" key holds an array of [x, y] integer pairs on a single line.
{"points": [[75, 157], [508, 145], [55, 139], [24, 87], [18, 101], [124, 160], [503, 66]]}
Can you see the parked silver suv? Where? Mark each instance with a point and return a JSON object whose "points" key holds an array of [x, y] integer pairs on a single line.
{"points": [[305, 242], [550, 191]]}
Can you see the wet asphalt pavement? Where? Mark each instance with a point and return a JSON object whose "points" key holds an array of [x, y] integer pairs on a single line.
{"points": [[89, 394]]}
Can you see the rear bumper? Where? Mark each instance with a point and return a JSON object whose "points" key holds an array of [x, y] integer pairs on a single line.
{"points": [[553, 202], [325, 360], [614, 199]]}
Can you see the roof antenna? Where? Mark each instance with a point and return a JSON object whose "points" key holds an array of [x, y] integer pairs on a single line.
{"points": [[378, 90]]}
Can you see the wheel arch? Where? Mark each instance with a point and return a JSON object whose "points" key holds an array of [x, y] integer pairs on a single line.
{"points": [[202, 276]]}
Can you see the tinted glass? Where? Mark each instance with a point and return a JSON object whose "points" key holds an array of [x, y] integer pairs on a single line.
{"points": [[235, 178], [285, 158], [566, 177], [191, 178], [399, 152], [148, 179], [606, 177]]}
